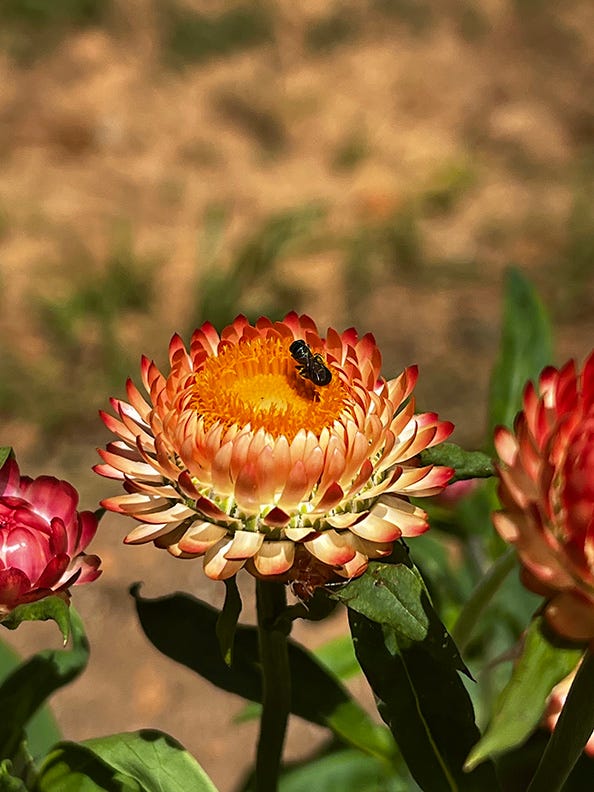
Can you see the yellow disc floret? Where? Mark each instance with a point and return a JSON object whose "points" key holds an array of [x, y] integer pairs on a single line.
{"points": [[256, 383]]}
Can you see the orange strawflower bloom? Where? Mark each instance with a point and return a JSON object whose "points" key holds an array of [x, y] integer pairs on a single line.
{"points": [[255, 450], [547, 493]]}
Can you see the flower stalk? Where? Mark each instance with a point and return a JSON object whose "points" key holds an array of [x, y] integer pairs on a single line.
{"points": [[271, 601]]}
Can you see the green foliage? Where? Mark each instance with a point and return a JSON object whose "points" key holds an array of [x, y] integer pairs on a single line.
{"points": [[321, 699], [26, 688], [351, 151], [227, 620], [466, 464], [520, 707], [525, 349], [55, 608], [143, 761], [327, 32], [425, 704], [41, 730], [41, 13], [221, 291], [192, 37], [575, 725]]}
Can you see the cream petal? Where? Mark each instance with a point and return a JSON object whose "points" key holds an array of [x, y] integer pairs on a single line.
{"points": [[147, 532], [135, 503], [275, 557], [331, 547], [298, 534], [247, 492], [244, 545], [330, 498], [216, 565], [343, 520], [175, 514], [296, 487], [200, 537], [411, 519], [377, 530], [355, 567]]}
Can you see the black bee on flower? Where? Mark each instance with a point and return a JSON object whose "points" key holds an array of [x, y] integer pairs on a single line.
{"points": [[311, 366]]}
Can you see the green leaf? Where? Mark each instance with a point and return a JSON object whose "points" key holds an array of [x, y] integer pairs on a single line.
{"points": [[343, 771], [42, 730], [143, 761], [54, 608], [25, 690], [338, 655], [467, 464], [526, 348], [521, 704], [5, 452], [227, 621], [573, 729], [169, 621], [394, 595], [426, 706]]}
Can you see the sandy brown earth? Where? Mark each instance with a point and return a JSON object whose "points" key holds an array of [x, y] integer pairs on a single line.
{"points": [[97, 133]]}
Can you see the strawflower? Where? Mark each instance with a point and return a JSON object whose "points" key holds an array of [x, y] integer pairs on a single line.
{"points": [[547, 493], [239, 457], [42, 536]]}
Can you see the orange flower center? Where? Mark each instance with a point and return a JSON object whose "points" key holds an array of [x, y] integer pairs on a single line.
{"points": [[256, 382]]}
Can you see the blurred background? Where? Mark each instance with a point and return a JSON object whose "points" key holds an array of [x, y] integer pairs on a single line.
{"points": [[376, 163]]}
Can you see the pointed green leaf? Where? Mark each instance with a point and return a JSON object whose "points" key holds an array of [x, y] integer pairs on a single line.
{"points": [[426, 706], [55, 608], [29, 685], [227, 621], [321, 698], [467, 464], [521, 704], [143, 761], [394, 595], [526, 348]]}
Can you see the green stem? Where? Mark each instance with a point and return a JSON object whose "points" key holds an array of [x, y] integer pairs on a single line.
{"points": [[271, 601], [574, 727], [481, 596]]}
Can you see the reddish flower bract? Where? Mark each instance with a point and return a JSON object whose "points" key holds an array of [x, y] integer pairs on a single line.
{"points": [[42, 536], [547, 493]]}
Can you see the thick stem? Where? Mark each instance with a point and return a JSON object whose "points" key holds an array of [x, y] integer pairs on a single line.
{"points": [[481, 596], [276, 683]]}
